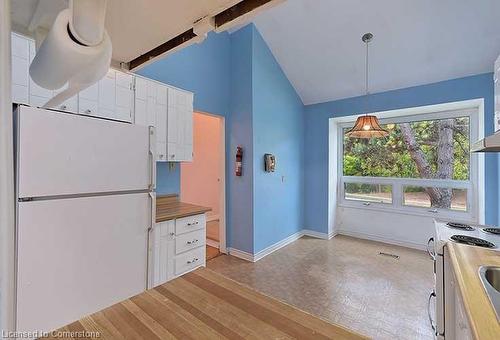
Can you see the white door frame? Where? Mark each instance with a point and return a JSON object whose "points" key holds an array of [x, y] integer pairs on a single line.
{"points": [[7, 194], [222, 183]]}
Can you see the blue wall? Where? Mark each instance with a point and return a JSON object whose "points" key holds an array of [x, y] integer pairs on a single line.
{"points": [[241, 193], [316, 136], [236, 76], [202, 69], [277, 129]]}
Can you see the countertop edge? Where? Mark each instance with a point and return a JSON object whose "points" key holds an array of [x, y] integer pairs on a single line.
{"points": [[464, 288], [193, 210]]}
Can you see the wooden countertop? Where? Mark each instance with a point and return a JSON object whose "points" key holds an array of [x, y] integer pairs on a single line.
{"points": [[205, 305], [169, 207], [466, 261]]}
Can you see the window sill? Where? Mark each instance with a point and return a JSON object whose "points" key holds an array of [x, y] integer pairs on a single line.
{"points": [[379, 207]]}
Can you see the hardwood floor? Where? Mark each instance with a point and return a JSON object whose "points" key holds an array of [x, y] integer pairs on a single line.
{"points": [[205, 305]]}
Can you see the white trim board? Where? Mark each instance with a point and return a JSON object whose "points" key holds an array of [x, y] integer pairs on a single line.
{"points": [[240, 254], [278, 245], [370, 237], [212, 243], [317, 234]]}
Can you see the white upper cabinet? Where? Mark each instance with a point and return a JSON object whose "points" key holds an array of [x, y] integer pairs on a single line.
{"points": [[180, 125], [151, 110], [496, 79], [119, 96], [20, 69], [107, 95], [124, 96], [111, 97]]}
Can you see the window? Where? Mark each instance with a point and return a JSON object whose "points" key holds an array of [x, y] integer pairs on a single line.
{"points": [[423, 165], [378, 193]]}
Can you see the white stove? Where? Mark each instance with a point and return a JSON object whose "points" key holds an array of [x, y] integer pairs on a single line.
{"points": [[445, 232], [487, 237]]}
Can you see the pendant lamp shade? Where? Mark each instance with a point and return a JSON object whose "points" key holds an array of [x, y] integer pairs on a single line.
{"points": [[367, 127]]}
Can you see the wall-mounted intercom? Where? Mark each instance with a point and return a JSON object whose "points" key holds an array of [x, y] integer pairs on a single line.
{"points": [[269, 162]]}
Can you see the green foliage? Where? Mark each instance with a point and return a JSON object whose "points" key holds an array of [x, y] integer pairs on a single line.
{"points": [[389, 157]]}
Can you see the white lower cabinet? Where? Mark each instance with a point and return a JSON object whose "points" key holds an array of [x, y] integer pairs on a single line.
{"points": [[457, 326], [176, 247]]}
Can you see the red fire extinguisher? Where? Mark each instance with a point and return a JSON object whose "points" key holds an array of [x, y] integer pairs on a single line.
{"points": [[239, 161]]}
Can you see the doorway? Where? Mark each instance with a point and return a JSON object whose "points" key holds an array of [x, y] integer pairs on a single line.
{"points": [[203, 179]]}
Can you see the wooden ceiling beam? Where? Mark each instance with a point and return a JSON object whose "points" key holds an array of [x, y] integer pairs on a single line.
{"points": [[240, 9], [222, 21], [162, 49]]}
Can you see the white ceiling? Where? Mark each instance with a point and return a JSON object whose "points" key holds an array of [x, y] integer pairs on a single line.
{"points": [[135, 27], [318, 43]]}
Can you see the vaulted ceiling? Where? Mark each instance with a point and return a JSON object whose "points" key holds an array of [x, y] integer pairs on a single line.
{"points": [[137, 27], [318, 43]]}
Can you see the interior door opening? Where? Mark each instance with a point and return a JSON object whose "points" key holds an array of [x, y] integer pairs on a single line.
{"points": [[203, 179]]}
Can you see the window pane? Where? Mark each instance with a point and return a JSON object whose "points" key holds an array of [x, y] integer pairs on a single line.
{"points": [[439, 198], [419, 149], [377, 193]]}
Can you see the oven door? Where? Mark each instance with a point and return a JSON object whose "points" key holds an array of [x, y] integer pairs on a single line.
{"points": [[436, 298], [440, 298]]}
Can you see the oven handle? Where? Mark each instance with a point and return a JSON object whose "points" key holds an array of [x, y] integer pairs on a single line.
{"points": [[431, 254], [433, 324]]}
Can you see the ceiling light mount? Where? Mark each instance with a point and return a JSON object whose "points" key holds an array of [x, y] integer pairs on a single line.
{"points": [[367, 37]]}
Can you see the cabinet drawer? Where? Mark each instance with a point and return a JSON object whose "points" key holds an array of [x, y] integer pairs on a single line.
{"points": [[189, 261], [189, 241], [189, 223]]}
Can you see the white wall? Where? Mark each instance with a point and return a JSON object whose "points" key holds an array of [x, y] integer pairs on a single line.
{"points": [[389, 227]]}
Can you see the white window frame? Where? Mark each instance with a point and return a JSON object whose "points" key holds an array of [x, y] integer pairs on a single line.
{"points": [[474, 109]]}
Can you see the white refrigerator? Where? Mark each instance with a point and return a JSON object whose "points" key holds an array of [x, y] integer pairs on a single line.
{"points": [[86, 204]]}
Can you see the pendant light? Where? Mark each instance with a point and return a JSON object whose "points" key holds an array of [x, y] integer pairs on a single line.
{"points": [[367, 126]]}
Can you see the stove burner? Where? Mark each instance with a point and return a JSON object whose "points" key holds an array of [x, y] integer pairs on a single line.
{"points": [[472, 241], [495, 231], [460, 226]]}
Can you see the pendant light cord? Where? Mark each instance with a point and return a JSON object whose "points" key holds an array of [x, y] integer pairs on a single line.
{"points": [[366, 69]]}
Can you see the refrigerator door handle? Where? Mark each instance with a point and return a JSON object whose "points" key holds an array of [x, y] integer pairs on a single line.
{"points": [[150, 241], [152, 197], [152, 157]]}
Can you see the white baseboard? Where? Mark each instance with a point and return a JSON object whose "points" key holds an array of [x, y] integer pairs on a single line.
{"points": [[212, 243], [371, 237], [264, 252], [240, 254], [272, 248], [317, 234]]}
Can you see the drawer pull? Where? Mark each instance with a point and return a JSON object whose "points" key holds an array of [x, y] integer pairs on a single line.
{"points": [[192, 261], [88, 111], [194, 223], [192, 242]]}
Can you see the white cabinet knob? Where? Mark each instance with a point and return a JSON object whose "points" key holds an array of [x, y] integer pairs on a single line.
{"points": [[88, 111]]}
